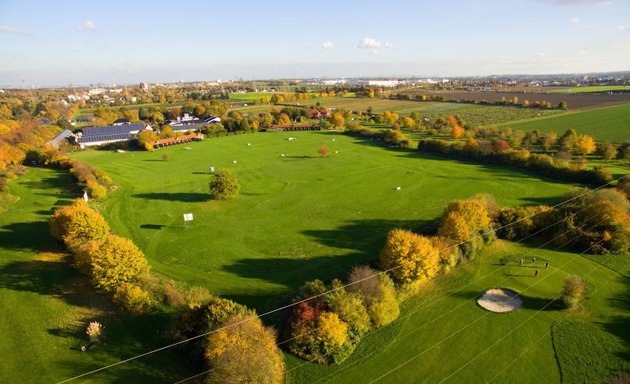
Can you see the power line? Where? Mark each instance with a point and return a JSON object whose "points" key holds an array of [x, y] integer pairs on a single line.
{"points": [[424, 306], [468, 325], [451, 310], [281, 308]]}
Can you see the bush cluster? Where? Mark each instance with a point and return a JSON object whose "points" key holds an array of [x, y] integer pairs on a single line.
{"points": [[328, 328], [114, 264], [593, 221]]}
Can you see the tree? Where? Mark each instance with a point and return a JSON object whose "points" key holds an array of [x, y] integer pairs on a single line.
{"points": [[585, 145], [456, 131], [167, 132], [243, 350], [390, 117], [378, 292], [323, 151], [337, 120], [117, 261], [76, 223], [563, 105], [567, 140], [284, 119], [500, 146], [146, 136], [223, 185], [549, 140], [574, 291], [607, 151], [408, 122], [349, 307], [409, 257], [132, 298]]}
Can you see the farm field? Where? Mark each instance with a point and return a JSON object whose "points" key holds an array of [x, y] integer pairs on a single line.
{"points": [[604, 124], [591, 89], [574, 101]]}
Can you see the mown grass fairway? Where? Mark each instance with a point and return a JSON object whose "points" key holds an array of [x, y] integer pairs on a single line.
{"points": [[297, 218], [45, 304], [442, 335], [591, 89], [604, 124]]}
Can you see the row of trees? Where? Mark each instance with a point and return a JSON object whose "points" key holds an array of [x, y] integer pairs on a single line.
{"points": [[114, 264], [497, 152], [594, 221], [513, 101]]}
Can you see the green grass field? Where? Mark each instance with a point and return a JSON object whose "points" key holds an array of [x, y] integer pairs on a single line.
{"points": [[297, 218], [604, 124], [591, 89]]}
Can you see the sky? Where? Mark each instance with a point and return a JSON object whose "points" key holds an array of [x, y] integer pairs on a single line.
{"points": [[62, 42]]}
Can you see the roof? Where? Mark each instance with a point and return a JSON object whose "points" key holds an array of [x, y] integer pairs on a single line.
{"points": [[112, 129], [61, 136], [103, 137], [121, 121]]}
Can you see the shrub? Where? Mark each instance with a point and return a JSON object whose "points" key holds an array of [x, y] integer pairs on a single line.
{"points": [[224, 185], [94, 189], [574, 291], [198, 319], [379, 294], [244, 351], [79, 222], [349, 307], [117, 261], [323, 151], [132, 298]]}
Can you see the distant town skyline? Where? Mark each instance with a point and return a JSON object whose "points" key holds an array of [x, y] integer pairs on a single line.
{"points": [[71, 42]]}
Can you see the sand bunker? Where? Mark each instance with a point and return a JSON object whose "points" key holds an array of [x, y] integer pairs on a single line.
{"points": [[500, 300]]}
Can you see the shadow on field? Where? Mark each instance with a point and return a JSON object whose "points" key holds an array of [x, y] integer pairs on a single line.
{"points": [[620, 325], [32, 235], [368, 236], [194, 197]]}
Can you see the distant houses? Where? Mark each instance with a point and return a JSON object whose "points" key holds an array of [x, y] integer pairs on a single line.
{"points": [[187, 122]]}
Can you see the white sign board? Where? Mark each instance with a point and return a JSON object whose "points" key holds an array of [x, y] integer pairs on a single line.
{"points": [[188, 216], [211, 169]]}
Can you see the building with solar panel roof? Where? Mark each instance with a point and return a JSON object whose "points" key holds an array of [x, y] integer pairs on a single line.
{"points": [[93, 136]]}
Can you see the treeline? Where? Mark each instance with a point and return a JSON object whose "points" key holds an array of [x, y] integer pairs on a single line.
{"points": [[514, 101], [500, 153]]}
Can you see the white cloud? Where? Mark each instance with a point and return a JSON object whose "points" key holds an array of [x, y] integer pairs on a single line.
{"points": [[88, 25], [622, 28], [575, 20], [540, 55], [15, 31], [373, 44], [368, 42], [327, 45]]}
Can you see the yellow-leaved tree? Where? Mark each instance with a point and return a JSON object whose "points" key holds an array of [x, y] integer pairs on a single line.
{"points": [[243, 350], [409, 257], [117, 261], [78, 223], [331, 331]]}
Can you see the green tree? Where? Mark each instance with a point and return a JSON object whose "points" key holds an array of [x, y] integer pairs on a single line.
{"points": [[224, 185]]}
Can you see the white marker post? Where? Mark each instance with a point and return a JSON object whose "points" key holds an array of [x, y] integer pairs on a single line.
{"points": [[187, 217], [211, 169], [85, 196]]}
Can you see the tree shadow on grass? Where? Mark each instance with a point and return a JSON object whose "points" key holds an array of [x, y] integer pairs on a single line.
{"points": [[368, 236], [194, 197], [620, 325], [32, 235]]}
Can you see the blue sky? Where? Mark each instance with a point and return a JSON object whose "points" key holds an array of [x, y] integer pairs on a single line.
{"points": [[81, 42]]}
